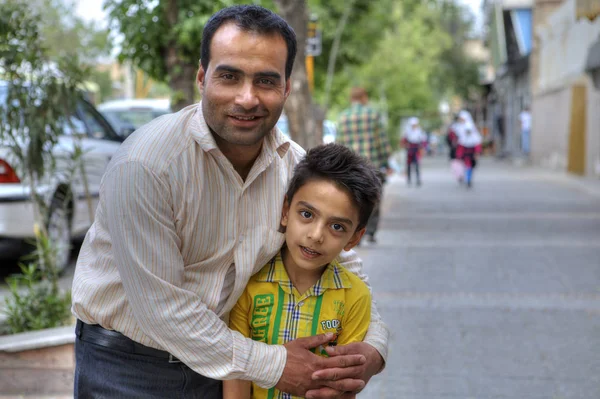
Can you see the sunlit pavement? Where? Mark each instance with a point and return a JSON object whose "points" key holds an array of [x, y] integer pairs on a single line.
{"points": [[492, 292]]}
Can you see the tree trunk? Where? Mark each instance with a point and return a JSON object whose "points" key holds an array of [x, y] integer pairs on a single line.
{"points": [[334, 50], [298, 107], [181, 75]]}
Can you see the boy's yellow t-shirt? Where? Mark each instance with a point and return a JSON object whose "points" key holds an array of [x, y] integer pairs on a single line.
{"points": [[272, 311]]}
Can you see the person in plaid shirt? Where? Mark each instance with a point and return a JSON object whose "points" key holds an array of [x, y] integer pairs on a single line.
{"points": [[361, 129], [304, 291]]}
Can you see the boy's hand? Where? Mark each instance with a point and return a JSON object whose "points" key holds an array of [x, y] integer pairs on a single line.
{"points": [[364, 372], [301, 364]]}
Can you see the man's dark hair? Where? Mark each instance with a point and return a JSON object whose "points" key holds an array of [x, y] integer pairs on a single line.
{"points": [[250, 18], [343, 167]]}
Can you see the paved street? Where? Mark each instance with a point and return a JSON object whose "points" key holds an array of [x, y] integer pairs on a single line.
{"points": [[489, 293], [492, 292]]}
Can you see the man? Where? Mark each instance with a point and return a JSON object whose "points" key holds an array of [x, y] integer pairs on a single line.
{"points": [[189, 210], [525, 121], [361, 129]]}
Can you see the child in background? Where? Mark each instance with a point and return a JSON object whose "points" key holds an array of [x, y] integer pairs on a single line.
{"points": [[304, 291], [469, 145], [413, 139]]}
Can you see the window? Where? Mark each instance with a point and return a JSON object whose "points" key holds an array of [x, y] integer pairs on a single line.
{"points": [[98, 128]]}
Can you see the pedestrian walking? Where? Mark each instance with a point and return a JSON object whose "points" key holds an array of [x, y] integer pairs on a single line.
{"points": [[525, 123], [469, 145], [452, 138], [360, 128], [189, 210], [414, 140], [325, 211]]}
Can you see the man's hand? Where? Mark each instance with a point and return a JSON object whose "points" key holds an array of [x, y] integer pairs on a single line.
{"points": [[364, 372], [301, 364]]}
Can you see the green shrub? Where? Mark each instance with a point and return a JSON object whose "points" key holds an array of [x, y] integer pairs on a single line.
{"points": [[35, 303]]}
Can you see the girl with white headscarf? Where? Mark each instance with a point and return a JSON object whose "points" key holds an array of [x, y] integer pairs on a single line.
{"points": [[469, 144], [413, 140]]}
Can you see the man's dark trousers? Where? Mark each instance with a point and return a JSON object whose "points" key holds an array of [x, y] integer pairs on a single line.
{"points": [[373, 222], [104, 372]]}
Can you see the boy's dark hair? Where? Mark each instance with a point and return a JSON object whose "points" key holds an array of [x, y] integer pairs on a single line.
{"points": [[348, 170], [250, 18]]}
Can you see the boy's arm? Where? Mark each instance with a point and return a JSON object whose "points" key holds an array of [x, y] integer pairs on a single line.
{"points": [[356, 320], [236, 389], [238, 321]]}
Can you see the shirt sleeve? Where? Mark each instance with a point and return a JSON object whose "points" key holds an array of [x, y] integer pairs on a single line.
{"points": [[357, 317], [145, 248], [378, 333]]}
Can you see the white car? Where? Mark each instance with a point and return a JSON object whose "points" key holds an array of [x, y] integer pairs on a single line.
{"points": [[329, 129], [125, 116], [69, 215]]}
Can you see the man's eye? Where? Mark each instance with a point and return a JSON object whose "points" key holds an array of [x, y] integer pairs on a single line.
{"points": [[338, 227], [306, 214], [228, 76], [266, 82]]}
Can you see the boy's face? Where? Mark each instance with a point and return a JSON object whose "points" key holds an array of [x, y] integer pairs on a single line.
{"points": [[320, 222]]}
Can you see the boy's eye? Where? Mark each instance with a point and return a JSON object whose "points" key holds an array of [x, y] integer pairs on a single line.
{"points": [[306, 214], [228, 76], [338, 227]]}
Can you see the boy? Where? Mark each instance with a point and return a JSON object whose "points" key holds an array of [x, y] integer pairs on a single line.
{"points": [[303, 291]]}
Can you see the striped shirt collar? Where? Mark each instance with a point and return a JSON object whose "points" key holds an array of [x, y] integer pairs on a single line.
{"points": [[275, 142], [332, 277]]}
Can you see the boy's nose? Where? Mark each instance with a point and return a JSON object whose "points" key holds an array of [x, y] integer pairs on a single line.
{"points": [[316, 234]]}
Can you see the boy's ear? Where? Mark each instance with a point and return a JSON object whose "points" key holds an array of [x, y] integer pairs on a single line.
{"points": [[356, 237]]}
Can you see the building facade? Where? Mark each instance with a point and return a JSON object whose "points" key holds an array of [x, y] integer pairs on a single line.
{"points": [[566, 105], [510, 39]]}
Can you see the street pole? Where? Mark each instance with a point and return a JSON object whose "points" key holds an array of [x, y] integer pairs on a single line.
{"points": [[310, 72], [313, 48]]}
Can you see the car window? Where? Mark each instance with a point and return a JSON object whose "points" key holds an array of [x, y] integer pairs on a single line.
{"points": [[98, 128], [137, 117], [75, 126]]}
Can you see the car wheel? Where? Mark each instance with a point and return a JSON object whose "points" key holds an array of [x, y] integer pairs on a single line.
{"points": [[59, 233]]}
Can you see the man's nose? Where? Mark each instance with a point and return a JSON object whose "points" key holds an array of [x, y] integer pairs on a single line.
{"points": [[247, 97]]}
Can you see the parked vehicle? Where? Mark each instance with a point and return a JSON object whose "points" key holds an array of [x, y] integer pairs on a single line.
{"points": [[329, 129], [68, 216], [329, 132], [126, 116]]}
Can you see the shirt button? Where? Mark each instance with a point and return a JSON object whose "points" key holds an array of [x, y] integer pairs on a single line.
{"points": [[300, 304]]}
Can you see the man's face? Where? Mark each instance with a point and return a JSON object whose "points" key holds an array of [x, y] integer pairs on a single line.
{"points": [[244, 88]]}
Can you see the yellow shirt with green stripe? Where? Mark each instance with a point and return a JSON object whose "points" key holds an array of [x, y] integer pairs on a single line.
{"points": [[271, 310]]}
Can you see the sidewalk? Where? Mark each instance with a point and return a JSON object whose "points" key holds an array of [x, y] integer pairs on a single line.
{"points": [[588, 185]]}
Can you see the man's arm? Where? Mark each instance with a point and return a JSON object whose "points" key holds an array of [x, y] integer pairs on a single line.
{"points": [[145, 248], [378, 333], [373, 347]]}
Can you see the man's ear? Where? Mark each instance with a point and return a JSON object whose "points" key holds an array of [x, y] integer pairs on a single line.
{"points": [[288, 88], [285, 211], [356, 237], [200, 76]]}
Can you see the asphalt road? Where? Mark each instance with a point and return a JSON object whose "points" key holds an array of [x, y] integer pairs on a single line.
{"points": [[492, 292]]}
